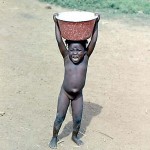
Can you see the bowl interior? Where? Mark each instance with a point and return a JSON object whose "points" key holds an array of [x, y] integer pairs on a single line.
{"points": [[76, 16]]}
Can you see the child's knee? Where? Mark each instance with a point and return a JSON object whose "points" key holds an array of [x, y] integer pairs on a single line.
{"points": [[59, 119], [77, 120]]}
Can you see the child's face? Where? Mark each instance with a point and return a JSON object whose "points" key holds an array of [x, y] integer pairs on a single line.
{"points": [[76, 52]]}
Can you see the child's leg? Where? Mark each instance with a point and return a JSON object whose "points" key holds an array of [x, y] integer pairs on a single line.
{"points": [[63, 103], [77, 108]]}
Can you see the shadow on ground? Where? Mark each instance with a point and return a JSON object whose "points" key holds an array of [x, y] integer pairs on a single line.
{"points": [[89, 111]]}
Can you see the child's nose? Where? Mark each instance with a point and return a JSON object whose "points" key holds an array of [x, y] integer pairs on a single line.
{"points": [[75, 51]]}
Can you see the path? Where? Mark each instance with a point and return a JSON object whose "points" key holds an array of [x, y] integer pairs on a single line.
{"points": [[117, 93]]}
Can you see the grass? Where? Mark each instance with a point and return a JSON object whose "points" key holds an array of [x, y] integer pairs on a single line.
{"points": [[115, 6]]}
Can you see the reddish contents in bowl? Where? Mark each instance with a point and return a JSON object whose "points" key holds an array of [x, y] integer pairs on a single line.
{"points": [[76, 25], [76, 30]]}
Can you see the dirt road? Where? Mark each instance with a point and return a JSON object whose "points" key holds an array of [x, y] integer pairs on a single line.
{"points": [[117, 92]]}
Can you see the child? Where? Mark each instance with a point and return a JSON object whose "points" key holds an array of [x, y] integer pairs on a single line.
{"points": [[75, 62]]}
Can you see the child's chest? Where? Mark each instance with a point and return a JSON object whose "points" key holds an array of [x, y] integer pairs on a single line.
{"points": [[70, 67]]}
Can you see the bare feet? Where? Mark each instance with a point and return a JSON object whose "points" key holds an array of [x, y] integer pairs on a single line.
{"points": [[77, 140], [53, 143]]}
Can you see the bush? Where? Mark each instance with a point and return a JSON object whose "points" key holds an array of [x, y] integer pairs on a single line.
{"points": [[124, 6]]}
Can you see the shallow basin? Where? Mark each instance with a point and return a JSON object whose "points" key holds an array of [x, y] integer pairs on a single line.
{"points": [[76, 25]]}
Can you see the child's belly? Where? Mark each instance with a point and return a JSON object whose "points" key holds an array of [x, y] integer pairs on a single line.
{"points": [[74, 83]]}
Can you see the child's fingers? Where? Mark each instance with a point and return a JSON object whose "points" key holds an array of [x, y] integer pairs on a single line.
{"points": [[98, 16], [54, 17], [55, 14]]}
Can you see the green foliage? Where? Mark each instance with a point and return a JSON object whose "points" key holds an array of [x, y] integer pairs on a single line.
{"points": [[124, 6]]}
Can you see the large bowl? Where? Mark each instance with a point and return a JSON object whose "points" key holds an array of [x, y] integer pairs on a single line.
{"points": [[76, 25]]}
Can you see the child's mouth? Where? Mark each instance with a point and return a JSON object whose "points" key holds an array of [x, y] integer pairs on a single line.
{"points": [[75, 58]]}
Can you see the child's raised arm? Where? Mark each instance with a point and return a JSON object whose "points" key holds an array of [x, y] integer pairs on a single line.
{"points": [[59, 39], [92, 43]]}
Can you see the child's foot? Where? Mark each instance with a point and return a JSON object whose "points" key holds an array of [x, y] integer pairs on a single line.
{"points": [[53, 143], [77, 140]]}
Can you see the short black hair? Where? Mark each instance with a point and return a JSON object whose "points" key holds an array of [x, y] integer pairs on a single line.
{"points": [[82, 42]]}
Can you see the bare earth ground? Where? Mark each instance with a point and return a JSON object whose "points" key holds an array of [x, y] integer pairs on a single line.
{"points": [[117, 93]]}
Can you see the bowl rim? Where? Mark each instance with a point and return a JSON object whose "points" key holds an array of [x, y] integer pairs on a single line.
{"points": [[92, 17]]}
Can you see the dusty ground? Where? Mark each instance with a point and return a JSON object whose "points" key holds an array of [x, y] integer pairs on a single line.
{"points": [[117, 93]]}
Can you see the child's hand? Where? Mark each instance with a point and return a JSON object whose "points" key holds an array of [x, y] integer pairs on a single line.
{"points": [[98, 17], [54, 17]]}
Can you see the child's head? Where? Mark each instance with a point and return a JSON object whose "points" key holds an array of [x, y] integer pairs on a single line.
{"points": [[83, 43], [77, 50]]}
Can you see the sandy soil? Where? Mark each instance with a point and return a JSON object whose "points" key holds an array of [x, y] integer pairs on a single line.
{"points": [[116, 95]]}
